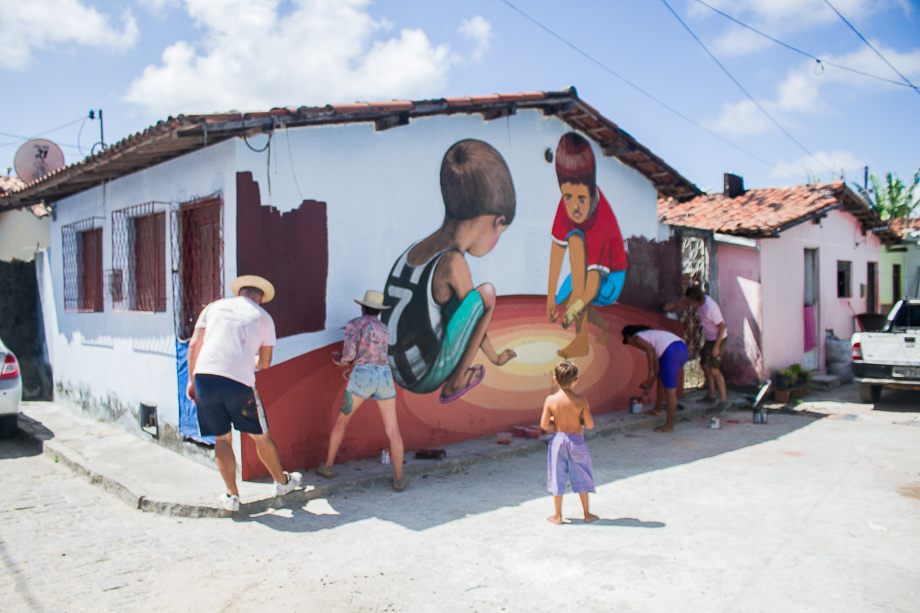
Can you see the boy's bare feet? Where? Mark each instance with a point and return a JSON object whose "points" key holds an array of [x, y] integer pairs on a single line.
{"points": [[654, 412], [556, 519], [589, 517], [663, 429], [578, 348]]}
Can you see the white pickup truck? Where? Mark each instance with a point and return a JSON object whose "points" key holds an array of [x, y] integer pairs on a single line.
{"points": [[891, 357]]}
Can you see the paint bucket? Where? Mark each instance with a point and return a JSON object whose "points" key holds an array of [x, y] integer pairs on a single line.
{"points": [[384, 456], [757, 416], [714, 423], [635, 405]]}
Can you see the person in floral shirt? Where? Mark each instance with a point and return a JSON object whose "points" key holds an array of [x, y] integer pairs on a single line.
{"points": [[365, 348]]}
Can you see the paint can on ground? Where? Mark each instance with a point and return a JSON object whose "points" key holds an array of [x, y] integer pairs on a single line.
{"points": [[757, 416], [635, 405], [715, 423], [384, 456]]}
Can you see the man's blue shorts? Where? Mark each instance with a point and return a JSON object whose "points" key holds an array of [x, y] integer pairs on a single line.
{"points": [[222, 402]]}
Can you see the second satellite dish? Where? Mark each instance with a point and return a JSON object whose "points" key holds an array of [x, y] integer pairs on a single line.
{"points": [[36, 158]]}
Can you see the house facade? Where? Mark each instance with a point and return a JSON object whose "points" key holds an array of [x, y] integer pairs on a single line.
{"points": [[900, 276], [322, 202], [792, 266]]}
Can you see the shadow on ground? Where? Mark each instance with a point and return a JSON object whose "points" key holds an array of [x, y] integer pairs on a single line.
{"points": [[19, 446], [492, 486]]}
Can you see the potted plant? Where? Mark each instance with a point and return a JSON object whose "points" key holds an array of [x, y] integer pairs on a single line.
{"points": [[800, 376], [784, 378]]}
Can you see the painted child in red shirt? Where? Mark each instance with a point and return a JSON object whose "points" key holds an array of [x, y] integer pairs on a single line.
{"points": [[586, 225]]}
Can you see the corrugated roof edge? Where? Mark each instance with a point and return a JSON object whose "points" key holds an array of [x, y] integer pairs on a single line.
{"points": [[176, 136]]}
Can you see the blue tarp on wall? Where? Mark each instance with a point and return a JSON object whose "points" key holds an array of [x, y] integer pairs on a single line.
{"points": [[188, 412]]}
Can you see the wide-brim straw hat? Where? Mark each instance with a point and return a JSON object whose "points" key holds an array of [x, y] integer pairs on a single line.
{"points": [[373, 300], [268, 290]]}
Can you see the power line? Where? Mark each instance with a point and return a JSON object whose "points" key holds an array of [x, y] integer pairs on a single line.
{"points": [[636, 87], [797, 50], [741, 87], [868, 44]]}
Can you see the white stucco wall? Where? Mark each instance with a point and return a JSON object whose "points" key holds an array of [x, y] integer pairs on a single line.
{"points": [[113, 360], [22, 234], [837, 237], [382, 192]]}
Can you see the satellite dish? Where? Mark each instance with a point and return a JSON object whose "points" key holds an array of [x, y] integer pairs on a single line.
{"points": [[36, 158]]}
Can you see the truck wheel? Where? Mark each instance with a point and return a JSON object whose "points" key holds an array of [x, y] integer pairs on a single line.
{"points": [[870, 393], [8, 425]]}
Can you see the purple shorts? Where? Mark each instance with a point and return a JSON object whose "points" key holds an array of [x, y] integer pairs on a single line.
{"points": [[567, 456]]}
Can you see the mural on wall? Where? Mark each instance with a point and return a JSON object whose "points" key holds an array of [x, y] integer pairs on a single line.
{"points": [[440, 319], [586, 225]]}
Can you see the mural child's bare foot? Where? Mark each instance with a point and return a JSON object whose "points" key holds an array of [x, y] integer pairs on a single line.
{"points": [[597, 319], [589, 517], [556, 519], [578, 348]]}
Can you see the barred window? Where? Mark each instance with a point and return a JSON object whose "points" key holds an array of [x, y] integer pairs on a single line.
{"points": [[82, 251], [137, 281], [197, 249]]}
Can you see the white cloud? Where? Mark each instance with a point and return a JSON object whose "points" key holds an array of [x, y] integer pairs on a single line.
{"points": [[801, 91], [778, 17], [28, 26], [843, 163], [480, 31], [319, 51]]}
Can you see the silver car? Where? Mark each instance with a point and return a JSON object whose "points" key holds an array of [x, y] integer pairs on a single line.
{"points": [[10, 392]]}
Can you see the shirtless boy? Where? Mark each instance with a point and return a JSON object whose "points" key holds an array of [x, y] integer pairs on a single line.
{"points": [[567, 455]]}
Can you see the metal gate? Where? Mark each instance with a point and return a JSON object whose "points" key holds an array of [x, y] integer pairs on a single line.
{"points": [[197, 260], [695, 268]]}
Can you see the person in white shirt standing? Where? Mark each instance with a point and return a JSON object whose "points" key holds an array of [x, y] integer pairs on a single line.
{"points": [[233, 337], [714, 340]]}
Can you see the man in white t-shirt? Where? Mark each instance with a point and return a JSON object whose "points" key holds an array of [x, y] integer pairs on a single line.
{"points": [[714, 340], [233, 337]]}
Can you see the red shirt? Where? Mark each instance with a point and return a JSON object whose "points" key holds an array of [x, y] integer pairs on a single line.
{"points": [[603, 239]]}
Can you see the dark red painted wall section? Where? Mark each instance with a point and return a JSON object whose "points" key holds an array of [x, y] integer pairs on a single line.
{"points": [[654, 275], [291, 250]]}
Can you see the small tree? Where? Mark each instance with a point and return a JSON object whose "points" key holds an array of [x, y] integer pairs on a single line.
{"points": [[893, 200]]}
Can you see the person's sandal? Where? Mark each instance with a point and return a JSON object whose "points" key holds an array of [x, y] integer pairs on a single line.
{"points": [[399, 485], [325, 472]]}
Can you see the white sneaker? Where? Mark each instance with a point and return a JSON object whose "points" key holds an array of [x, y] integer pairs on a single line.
{"points": [[230, 502], [293, 481]]}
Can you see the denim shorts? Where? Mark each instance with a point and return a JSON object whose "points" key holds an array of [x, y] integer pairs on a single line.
{"points": [[372, 381]]}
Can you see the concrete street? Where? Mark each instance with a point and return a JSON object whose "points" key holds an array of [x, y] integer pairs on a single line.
{"points": [[818, 510]]}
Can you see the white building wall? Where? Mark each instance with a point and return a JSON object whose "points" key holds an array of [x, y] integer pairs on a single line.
{"points": [[22, 235], [108, 362], [839, 236], [383, 194]]}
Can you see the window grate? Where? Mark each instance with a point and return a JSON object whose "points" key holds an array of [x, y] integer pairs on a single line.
{"points": [[196, 230], [82, 255], [137, 281]]}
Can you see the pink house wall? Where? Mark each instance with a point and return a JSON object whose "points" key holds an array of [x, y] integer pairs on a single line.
{"points": [[837, 237], [741, 299]]}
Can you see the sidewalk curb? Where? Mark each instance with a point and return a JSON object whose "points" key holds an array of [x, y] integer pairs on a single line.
{"points": [[617, 423]]}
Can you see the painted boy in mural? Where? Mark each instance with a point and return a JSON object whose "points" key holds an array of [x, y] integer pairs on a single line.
{"points": [[438, 320], [586, 225]]}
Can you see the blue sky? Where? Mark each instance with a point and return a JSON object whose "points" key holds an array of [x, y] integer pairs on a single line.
{"points": [[143, 60]]}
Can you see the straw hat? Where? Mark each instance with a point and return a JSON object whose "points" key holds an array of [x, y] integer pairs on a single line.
{"points": [[373, 300], [268, 290]]}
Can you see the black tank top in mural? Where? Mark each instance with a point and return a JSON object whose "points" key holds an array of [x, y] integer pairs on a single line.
{"points": [[415, 320]]}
